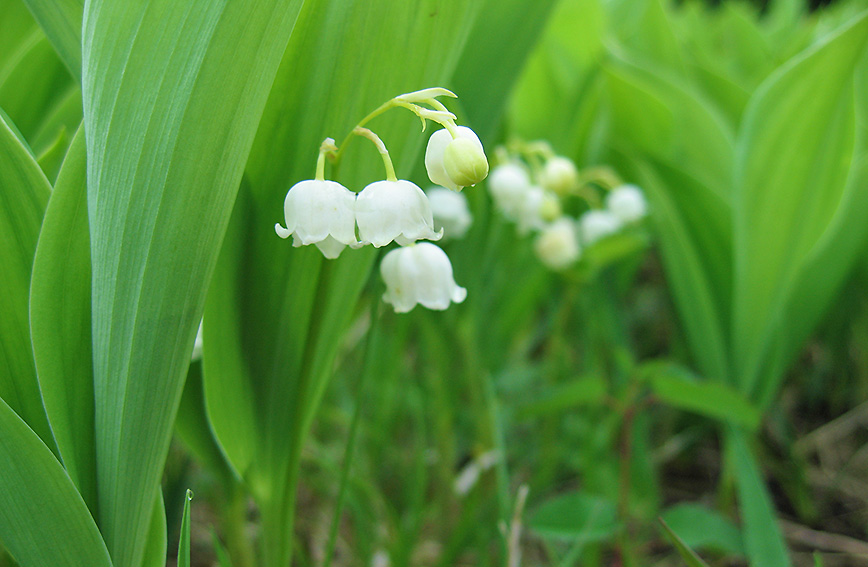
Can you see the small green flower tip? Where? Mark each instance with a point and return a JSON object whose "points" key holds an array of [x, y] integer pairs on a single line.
{"points": [[465, 162]]}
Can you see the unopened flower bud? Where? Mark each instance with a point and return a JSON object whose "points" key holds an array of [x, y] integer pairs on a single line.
{"points": [[559, 175], [465, 162], [508, 184]]}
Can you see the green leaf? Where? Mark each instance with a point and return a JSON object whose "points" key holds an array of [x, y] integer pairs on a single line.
{"points": [[698, 526], [576, 516], [677, 388], [43, 520], [684, 551], [763, 540], [32, 82], [60, 304], [61, 22], [693, 225], [794, 158], [487, 59], [172, 96], [24, 192], [158, 539], [587, 390], [184, 542]]}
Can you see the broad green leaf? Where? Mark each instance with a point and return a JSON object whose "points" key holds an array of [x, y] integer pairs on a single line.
{"points": [[709, 398], [587, 390], [158, 539], [276, 314], [24, 192], [645, 28], [16, 26], [191, 424], [793, 160], [64, 115], [31, 84], [43, 520], [815, 286], [52, 157], [61, 22], [575, 516], [698, 526], [487, 58], [688, 130], [693, 226], [763, 540], [60, 304], [558, 95], [172, 96], [184, 542], [684, 551]]}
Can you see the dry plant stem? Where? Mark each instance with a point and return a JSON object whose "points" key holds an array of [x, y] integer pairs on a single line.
{"points": [[826, 541], [514, 539]]}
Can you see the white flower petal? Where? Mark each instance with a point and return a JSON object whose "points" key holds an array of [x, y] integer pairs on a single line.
{"points": [[451, 213], [394, 210], [419, 274], [557, 245], [508, 184], [627, 203], [318, 210], [598, 224]]}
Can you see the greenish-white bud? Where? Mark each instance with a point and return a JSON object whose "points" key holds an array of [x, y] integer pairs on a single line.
{"points": [[465, 162], [559, 175]]}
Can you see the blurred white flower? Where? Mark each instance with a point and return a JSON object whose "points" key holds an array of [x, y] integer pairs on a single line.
{"points": [[419, 273], [537, 208], [451, 213], [320, 212], [508, 184], [597, 224], [560, 175], [557, 245], [455, 163], [394, 210], [627, 203]]}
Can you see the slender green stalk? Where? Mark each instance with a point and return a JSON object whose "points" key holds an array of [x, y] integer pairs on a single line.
{"points": [[368, 364]]}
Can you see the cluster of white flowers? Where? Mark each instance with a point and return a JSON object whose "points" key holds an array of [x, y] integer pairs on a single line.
{"points": [[531, 192], [331, 217]]}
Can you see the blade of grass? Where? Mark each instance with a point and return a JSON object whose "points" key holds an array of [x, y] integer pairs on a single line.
{"points": [[184, 542]]}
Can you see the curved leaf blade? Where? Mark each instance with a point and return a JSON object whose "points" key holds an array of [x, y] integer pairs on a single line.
{"points": [[43, 520]]}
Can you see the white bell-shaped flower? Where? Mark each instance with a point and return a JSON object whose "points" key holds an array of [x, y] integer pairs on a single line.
{"points": [[560, 175], [320, 212], [508, 184], [451, 213], [394, 210], [597, 224], [538, 208], [627, 203], [455, 163], [419, 273], [557, 245]]}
